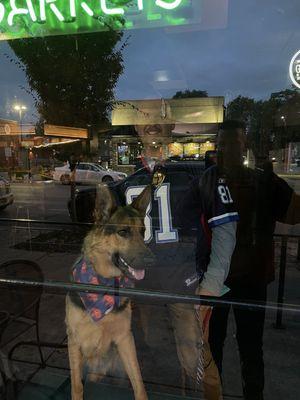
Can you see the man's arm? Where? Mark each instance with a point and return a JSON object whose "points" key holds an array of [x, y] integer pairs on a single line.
{"points": [[222, 247], [222, 216]]}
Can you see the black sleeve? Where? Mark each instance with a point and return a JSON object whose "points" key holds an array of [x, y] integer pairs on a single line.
{"points": [[216, 200], [188, 209], [281, 195]]}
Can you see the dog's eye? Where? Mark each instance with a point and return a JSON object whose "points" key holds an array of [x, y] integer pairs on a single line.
{"points": [[124, 232]]}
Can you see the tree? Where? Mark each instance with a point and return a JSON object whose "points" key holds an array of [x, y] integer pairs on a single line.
{"points": [[72, 78], [270, 123], [250, 112], [285, 116], [187, 94], [241, 108]]}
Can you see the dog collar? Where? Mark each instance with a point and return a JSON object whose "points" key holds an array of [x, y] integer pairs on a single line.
{"points": [[97, 305]]}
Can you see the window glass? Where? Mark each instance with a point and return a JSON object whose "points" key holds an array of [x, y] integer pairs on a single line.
{"points": [[149, 199]]}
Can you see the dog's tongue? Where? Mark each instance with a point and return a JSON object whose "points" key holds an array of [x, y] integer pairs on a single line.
{"points": [[138, 274]]}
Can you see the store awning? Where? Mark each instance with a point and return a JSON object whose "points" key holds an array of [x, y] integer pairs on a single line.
{"points": [[65, 131], [207, 110], [13, 128]]}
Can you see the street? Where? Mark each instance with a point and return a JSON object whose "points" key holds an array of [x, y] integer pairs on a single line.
{"points": [[44, 201], [48, 201]]}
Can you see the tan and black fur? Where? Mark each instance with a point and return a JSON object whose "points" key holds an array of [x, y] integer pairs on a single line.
{"points": [[117, 235]]}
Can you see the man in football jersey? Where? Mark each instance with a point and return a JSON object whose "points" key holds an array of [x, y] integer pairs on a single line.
{"points": [[193, 237], [261, 198]]}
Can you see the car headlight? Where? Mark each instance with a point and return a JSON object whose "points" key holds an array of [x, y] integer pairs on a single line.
{"points": [[122, 176]]}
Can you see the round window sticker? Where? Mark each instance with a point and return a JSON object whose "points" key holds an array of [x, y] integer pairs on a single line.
{"points": [[295, 69], [7, 129]]}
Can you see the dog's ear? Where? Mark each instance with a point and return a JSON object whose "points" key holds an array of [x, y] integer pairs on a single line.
{"points": [[105, 205], [142, 201]]}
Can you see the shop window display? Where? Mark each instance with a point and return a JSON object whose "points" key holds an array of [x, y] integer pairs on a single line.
{"points": [[128, 153]]}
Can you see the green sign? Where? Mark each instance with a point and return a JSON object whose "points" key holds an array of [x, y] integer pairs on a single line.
{"points": [[33, 18]]}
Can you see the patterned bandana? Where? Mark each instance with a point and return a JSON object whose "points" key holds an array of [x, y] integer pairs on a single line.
{"points": [[97, 305]]}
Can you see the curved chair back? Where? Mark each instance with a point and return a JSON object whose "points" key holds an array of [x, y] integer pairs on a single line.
{"points": [[20, 300]]}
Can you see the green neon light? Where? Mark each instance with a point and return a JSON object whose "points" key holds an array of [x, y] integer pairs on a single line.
{"points": [[168, 5], [154, 17], [33, 18], [111, 11]]}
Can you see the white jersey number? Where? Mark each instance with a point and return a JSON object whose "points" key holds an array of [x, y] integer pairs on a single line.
{"points": [[133, 192], [225, 194], [166, 233]]}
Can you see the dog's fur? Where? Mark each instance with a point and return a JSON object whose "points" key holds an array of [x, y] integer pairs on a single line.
{"points": [[118, 232]]}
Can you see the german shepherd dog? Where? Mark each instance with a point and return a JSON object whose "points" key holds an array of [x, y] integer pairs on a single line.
{"points": [[115, 248]]}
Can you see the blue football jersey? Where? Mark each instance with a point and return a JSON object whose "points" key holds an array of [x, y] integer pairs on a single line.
{"points": [[185, 206]]}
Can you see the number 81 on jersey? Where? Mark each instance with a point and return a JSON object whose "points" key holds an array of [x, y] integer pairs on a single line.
{"points": [[165, 233]]}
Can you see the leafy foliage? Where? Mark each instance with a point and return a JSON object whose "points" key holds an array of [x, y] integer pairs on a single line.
{"points": [[270, 123], [190, 94], [72, 78]]}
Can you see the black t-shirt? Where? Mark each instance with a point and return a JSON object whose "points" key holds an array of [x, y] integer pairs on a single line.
{"points": [[261, 198], [178, 224]]}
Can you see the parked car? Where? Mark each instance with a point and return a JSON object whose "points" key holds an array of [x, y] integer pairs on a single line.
{"points": [[6, 196], [180, 175], [87, 173]]}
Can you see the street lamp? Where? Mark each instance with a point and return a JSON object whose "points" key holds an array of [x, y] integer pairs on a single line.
{"points": [[283, 119], [20, 108]]}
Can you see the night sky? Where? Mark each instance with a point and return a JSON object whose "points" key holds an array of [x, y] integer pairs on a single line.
{"points": [[250, 57]]}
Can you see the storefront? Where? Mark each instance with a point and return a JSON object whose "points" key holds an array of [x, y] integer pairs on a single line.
{"points": [[179, 128], [123, 150], [190, 150], [24, 148], [15, 141]]}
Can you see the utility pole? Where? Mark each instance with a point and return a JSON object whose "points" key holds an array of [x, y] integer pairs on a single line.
{"points": [[20, 108]]}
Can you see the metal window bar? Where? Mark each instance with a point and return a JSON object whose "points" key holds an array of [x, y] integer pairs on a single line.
{"points": [[145, 294], [280, 296]]}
